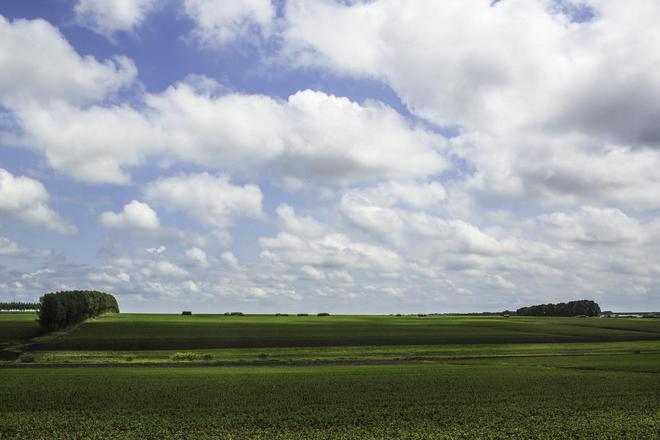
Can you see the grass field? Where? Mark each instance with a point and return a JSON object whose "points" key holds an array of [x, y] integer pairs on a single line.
{"points": [[151, 332], [16, 327], [153, 376]]}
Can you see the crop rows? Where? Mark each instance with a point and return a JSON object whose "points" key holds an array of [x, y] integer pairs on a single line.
{"points": [[405, 401]]}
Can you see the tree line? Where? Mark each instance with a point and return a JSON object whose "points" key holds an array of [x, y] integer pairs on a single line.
{"points": [[572, 308], [59, 310], [19, 306]]}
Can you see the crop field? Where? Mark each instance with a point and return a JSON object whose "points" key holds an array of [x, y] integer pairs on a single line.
{"points": [[138, 376], [376, 401], [159, 331], [17, 326]]}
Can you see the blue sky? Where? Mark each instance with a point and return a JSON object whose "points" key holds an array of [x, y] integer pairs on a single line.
{"points": [[362, 157]]}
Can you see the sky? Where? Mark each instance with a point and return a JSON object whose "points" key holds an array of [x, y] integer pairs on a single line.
{"points": [[343, 156]]}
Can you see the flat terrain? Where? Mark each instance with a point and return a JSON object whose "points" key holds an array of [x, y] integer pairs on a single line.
{"points": [[445, 400], [141, 376], [159, 331]]}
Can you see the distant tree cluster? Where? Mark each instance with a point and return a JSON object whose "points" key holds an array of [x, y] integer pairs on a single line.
{"points": [[572, 308], [19, 306], [62, 309]]}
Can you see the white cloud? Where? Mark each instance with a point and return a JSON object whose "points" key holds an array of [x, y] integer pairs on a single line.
{"points": [[10, 248], [310, 137], [26, 199], [136, 217], [212, 200], [230, 259], [169, 269], [107, 17], [39, 66], [198, 256], [191, 286], [104, 277], [594, 225], [327, 249], [220, 22], [554, 111]]}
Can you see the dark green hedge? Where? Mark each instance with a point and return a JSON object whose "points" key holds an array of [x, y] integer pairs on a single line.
{"points": [[572, 308], [18, 305], [62, 309]]}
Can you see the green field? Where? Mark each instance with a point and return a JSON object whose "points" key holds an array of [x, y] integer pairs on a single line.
{"points": [[212, 376], [382, 401], [158, 331], [16, 327]]}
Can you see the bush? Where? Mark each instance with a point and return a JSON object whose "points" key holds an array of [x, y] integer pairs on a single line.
{"points": [[63, 309], [181, 356]]}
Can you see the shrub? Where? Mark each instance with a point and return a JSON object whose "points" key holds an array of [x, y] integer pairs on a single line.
{"points": [[184, 356], [63, 309]]}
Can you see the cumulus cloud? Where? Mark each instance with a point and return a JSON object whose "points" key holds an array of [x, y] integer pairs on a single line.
{"points": [[26, 200], [198, 256], [212, 200], [310, 137], [556, 108], [107, 17], [10, 248], [136, 217], [40, 66], [327, 249], [220, 22]]}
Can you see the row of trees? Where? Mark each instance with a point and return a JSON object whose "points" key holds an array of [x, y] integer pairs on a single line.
{"points": [[19, 306], [572, 308], [62, 309]]}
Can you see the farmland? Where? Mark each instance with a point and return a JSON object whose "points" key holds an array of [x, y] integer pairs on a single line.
{"points": [[377, 401], [160, 331], [216, 376], [17, 327]]}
